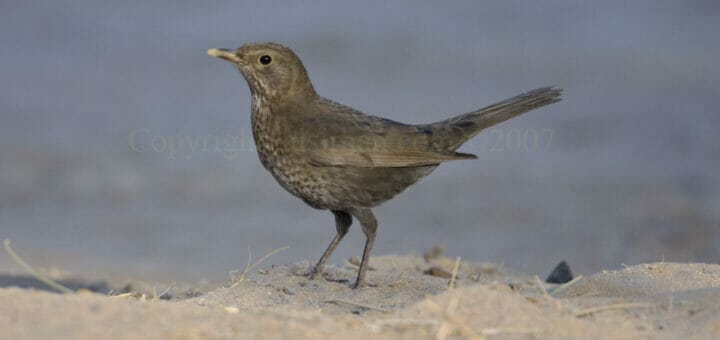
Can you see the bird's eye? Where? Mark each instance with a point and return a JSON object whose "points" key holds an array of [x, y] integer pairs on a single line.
{"points": [[265, 60]]}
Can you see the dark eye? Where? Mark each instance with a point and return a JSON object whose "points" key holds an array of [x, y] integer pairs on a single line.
{"points": [[265, 59]]}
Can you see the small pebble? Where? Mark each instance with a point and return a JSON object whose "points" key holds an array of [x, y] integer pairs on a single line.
{"points": [[438, 272]]}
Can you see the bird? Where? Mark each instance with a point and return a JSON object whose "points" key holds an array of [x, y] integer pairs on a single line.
{"points": [[336, 158]]}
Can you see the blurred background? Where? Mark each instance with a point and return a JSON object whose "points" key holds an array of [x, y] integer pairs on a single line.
{"points": [[99, 100]]}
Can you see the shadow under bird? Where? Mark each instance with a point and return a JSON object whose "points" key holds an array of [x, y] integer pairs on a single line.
{"points": [[336, 158]]}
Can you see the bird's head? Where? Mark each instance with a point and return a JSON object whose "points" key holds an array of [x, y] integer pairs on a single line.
{"points": [[271, 70]]}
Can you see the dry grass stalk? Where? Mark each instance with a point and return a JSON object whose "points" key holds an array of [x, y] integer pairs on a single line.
{"points": [[237, 280], [593, 310], [42, 278]]}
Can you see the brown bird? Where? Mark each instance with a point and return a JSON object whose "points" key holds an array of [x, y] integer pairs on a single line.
{"points": [[336, 158]]}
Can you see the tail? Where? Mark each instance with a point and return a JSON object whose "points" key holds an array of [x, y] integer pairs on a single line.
{"points": [[453, 132]]}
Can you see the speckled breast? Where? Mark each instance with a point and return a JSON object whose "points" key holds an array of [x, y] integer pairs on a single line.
{"points": [[325, 187]]}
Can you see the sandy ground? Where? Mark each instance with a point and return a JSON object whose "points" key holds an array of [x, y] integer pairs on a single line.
{"points": [[654, 300]]}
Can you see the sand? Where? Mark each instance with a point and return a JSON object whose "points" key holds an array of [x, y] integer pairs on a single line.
{"points": [[654, 300]]}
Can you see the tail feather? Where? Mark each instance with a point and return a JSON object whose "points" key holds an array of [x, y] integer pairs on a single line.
{"points": [[455, 131]]}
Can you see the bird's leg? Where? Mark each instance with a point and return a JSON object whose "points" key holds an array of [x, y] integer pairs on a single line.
{"points": [[369, 228], [343, 221]]}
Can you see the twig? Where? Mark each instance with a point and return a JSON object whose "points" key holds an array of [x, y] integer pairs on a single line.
{"points": [[42, 278], [593, 310], [247, 270], [247, 265], [463, 327], [542, 287], [566, 285], [124, 295], [235, 271], [449, 318], [545, 292], [355, 261], [356, 304], [442, 331], [454, 272], [157, 296]]}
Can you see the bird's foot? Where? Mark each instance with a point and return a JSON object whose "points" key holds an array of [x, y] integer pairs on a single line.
{"points": [[357, 284], [314, 273]]}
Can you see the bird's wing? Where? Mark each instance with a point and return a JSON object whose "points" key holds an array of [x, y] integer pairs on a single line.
{"points": [[356, 140], [341, 158]]}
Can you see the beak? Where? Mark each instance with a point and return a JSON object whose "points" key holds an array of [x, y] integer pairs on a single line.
{"points": [[225, 54]]}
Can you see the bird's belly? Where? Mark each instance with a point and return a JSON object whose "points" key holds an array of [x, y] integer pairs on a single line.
{"points": [[339, 187], [288, 173]]}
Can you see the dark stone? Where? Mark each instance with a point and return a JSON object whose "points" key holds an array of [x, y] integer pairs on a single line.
{"points": [[561, 274]]}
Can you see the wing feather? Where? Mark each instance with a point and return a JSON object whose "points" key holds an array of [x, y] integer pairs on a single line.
{"points": [[368, 141]]}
